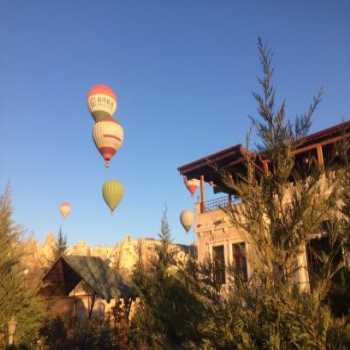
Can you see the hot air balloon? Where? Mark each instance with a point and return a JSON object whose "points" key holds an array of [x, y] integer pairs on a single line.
{"points": [[186, 219], [191, 185], [112, 192], [102, 102], [108, 135], [65, 209]]}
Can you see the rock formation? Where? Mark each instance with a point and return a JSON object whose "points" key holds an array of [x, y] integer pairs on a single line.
{"points": [[122, 256]]}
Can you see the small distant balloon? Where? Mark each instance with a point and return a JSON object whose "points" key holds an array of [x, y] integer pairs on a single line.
{"points": [[192, 185], [186, 219], [65, 209], [112, 192], [108, 136], [102, 102]]}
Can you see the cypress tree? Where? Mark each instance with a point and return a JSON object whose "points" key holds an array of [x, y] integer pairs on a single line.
{"points": [[61, 244], [18, 299]]}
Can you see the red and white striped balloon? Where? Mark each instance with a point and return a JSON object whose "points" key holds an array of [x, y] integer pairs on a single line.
{"points": [[108, 135], [192, 185]]}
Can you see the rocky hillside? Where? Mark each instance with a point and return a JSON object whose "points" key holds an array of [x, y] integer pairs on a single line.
{"points": [[122, 256]]}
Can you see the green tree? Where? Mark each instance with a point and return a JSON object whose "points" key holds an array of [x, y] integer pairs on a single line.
{"points": [[280, 210], [17, 298], [61, 245], [169, 309]]}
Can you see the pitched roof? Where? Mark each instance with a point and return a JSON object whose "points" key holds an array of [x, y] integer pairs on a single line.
{"points": [[69, 270], [233, 157], [203, 166]]}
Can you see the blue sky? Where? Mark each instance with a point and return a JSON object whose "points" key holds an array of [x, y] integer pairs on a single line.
{"points": [[184, 72]]}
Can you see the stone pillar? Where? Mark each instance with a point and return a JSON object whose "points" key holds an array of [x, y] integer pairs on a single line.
{"points": [[303, 274], [228, 260]]}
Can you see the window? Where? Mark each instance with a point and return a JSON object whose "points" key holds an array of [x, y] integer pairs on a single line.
{"points": [[219, 264], [240, 262], [315, 248]]}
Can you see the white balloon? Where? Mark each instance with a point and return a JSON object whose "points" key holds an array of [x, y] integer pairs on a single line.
{"points": [[186, 219]]}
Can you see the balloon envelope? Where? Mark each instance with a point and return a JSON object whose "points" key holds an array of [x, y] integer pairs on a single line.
{"points": [[113, 192], [186, 219], [192, 185], [65, 209], [108, 136], [102, 102]]}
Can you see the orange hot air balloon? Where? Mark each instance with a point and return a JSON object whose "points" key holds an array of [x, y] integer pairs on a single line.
{"points": [[192, 185], [65, 209], [108, 135], [102, 102]]}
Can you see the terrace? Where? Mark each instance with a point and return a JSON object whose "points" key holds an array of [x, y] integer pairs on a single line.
{"points": [[233, 160], [216, 203]]}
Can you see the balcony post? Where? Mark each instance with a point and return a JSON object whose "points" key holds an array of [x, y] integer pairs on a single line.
{"points": [[265, 167], [320, 157], [202, 193]]}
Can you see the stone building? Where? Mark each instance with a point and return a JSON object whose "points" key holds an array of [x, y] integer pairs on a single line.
{"points": [[216, 237], [83, 287]]}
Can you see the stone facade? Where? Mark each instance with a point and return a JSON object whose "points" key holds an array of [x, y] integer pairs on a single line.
{"points": [[213, 229]]}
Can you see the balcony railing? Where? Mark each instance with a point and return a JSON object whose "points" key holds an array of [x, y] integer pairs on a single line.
{"points": [[217, 203]]}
